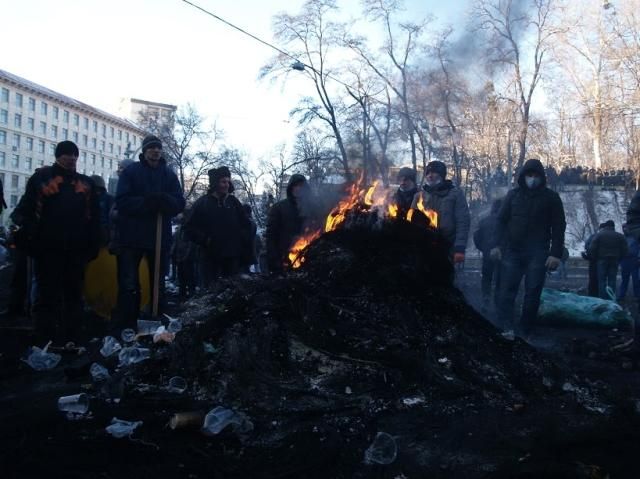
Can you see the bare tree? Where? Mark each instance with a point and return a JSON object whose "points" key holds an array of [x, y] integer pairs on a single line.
{"points": [[509, 23], [245, 178], [310, 36]]}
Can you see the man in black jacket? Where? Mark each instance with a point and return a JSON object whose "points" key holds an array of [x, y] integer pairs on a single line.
{"points": [[530, 231], [485, 240], [607, 248], [219, 225], [285, 223], [60, 221], [407, 189]]}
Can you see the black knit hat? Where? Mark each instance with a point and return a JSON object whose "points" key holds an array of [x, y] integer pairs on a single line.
{"points": [[408, 173], [437, 167], [149, 141], [608, 224], [66, 148], [217, 173]]}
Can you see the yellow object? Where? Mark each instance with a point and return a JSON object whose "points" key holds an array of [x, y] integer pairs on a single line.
{"points": [[101, 284]]}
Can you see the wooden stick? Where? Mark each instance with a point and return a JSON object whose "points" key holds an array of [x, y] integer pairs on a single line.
{"points": [[156, 270]]}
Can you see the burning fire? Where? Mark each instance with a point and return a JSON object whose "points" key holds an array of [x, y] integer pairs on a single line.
{"points": [[371, 198]]}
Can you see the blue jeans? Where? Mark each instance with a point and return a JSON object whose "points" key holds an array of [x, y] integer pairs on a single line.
{"points": [[516, 265], [629, 269], [607, 272]]}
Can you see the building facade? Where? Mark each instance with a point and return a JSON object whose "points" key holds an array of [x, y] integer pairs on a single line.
{"points": [[157, 117], [33, 119]]}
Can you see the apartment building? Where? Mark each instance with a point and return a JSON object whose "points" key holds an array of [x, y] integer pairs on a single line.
{"points": [[33, 119]]}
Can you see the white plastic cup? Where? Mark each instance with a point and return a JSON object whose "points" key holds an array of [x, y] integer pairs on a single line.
{"points": [[78, 403]]}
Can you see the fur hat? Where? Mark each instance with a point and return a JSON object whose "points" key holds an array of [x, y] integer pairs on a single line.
{"points": [[66, 148], [437, 167], [217, 173]]}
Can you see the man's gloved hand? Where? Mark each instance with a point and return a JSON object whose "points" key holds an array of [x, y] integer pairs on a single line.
{"points": [[153, 201], [458, 258], [495, 254], [552, 263]]}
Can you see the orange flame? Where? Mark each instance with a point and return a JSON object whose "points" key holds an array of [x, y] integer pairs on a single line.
{"points": [[392, 210], [431, 214], [368, 198], [339, 214], [295, 258]]}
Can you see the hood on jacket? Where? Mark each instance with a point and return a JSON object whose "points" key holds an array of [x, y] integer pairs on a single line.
{"points": [[294, 180], [532, 165]]}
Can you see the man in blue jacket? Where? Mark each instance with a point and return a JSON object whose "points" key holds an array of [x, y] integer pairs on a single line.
{"points": [[146, 189]]}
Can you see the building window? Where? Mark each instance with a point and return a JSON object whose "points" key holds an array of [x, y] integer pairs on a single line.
{"points": [[135, 140], [16, 140], [104, 130], [85, 140], [95, 126], [32, 104], [93, 160], [52, 149], [127, 136], [28, 164], [4, 95], [55, 112], [4, 117], [85, 123], [43, 108], [54, 131], [110, 147], [2, 178], [15, 179], [84, 156], [76, 120], [29, 144], [31, 124], [3, 137], [120, 135], [40, 163], [102, 161], [43, 128], [74, 135], [102, 145], [111, 165], [14, 201], [3, 157], [65, 134], [111, 131], [40, 146], [94, 143], [18, 100], [15, 162], [17, 120], [119, 150], [65, 116]]}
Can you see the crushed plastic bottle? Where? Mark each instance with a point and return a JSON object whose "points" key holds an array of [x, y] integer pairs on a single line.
{"points": [[383, 450], [40, 359], [177, 385], [128, 335], [99, 373], [175, 326], [130, 356], [120, 428], [219, 418], [110, 345]]}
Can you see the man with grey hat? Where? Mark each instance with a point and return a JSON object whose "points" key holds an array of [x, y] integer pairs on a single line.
{"points": [[147, 189], [446, 199]]}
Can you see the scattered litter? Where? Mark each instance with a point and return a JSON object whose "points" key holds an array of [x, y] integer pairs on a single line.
{"points": [[130, 356], [177, 384], [146, 327], [128, 335], [77, 403], [99, 373], [413, 401], [219, 418], [184, 420], [175, 326], [110, 345], [120, 428], [41, 359], [209, 348], [383, 450]]}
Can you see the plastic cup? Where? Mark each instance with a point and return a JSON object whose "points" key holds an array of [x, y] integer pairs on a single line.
{"points": [[78, 403], [177, 384], [128, 335]]}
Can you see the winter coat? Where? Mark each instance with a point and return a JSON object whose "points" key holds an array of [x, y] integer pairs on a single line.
{"points": [[449, 202], [633, 216], [58, 212], [608, 244], [136, 220], [404, 199], [485, 236], [532, 219], [182, 249], [220, 226], [284, 224]]}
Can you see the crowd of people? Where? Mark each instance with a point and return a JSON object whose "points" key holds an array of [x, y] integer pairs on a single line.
{"points": [[65, 219]]}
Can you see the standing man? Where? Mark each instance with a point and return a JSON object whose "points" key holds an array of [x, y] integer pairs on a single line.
{"points": [[147, 189], [607, 248], [485, 240], [285, 223], [530, 232], [219, 225], [407, 189], [446, 199], [105, 202], [629, 267], [60, 222]]}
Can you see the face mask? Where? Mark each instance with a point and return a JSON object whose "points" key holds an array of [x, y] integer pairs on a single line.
{"points": [[532, 181], [433, 182]]}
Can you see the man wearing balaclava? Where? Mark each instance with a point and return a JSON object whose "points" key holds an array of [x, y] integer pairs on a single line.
{"points": [[59, 219], [147, 189], [446, 199], [530, 231]]}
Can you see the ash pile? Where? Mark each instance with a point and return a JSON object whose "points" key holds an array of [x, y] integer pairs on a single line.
{"points": [[365, 361]]}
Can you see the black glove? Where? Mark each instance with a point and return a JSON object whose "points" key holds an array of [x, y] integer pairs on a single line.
{"points": [[164, 200], [153, 201]]}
